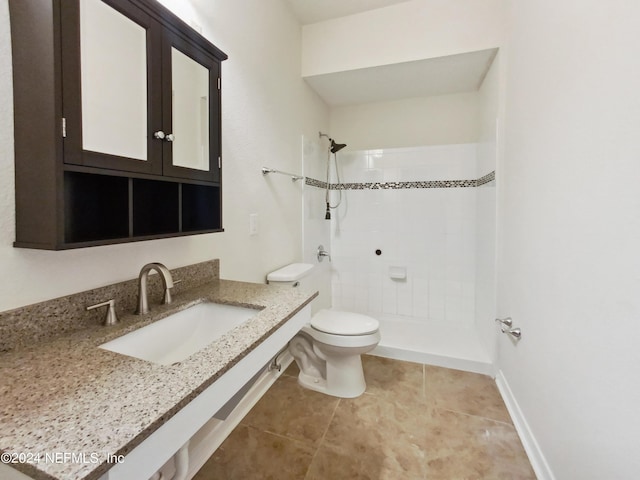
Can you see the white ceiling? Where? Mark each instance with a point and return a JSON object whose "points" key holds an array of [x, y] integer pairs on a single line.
{"points": [[313, 11], [422, 78]]}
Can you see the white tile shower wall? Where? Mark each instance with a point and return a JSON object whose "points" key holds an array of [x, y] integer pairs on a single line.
{"points": [[430, 232], [316, 230]]}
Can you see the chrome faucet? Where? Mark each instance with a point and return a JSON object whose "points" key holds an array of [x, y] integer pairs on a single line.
{"points": [[167, 283]]}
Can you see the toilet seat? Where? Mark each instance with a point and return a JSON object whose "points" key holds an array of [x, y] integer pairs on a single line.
{"points": [[337, 322], [361, 330], [346, 341]]}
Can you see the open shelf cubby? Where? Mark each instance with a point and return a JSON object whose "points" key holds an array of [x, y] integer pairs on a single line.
{"points": [[102, 209], [156, 207], [96, 207], [200, 207]]}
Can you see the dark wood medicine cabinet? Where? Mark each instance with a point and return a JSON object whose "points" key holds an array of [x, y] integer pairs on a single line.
{"points": [[117, 124]]}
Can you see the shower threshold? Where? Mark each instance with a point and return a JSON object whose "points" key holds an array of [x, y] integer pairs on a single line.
{"points": [[443, 345]]}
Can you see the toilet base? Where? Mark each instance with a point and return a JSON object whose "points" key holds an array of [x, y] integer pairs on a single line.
{"points": [[345, 378]]}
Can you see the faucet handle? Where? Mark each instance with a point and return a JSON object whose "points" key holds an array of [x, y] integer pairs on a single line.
{"points": [[110, 317], [322, 253]]}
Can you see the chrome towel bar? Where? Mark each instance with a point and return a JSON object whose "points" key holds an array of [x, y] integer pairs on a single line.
{"points": [[294, 178]]}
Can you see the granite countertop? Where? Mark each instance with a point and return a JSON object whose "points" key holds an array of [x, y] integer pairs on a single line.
{"points": [[69, 396]]}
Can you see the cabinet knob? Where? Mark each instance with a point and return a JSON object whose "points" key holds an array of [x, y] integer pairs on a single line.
{"points": [[159, 134], [169, 137]]}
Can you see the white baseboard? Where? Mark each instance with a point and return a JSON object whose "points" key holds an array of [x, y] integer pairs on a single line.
{"points": [[536, 457]]}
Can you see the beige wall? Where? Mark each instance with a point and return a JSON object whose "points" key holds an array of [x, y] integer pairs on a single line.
{"points": [[569, 231], [441, 120], [266, 109]]}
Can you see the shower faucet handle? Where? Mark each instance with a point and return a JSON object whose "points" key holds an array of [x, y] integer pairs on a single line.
{"points": [[506, 322], [515, 333], [322, 253]]}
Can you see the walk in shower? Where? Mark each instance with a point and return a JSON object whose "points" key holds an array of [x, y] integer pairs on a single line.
{"points": [[412, 244]]}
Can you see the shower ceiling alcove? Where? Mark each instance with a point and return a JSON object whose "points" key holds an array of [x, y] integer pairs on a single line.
{"points": [[449, 74]]}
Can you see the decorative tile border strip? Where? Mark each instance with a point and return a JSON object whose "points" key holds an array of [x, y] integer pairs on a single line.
{"points": [[402, 185], [489, 177], [315, 183]]}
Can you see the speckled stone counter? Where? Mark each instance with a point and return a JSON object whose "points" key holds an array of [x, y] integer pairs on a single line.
{"points": [[60, 316], [68, 395]]}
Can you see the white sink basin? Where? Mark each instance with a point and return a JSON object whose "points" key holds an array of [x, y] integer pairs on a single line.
{"points": [[176, 337]]}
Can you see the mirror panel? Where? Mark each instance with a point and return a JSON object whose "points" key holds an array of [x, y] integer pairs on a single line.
{"points": [[190, 112], [114, 82]]}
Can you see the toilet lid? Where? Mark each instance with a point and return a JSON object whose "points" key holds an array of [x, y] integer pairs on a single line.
{"points": [[344, 323]]}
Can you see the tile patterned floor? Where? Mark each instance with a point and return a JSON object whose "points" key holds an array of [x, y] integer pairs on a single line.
{"points": [[414, 422]]}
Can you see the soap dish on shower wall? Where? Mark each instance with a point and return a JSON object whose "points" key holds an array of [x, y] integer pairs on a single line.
{"points": [[398, 273]]}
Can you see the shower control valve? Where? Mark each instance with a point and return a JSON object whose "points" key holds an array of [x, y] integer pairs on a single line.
{"points": [[322, 253], [505, 322], [506, 326], [515, 333]]}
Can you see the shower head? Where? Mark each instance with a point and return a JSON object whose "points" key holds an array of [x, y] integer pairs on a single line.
{"points": [[335, 147]]}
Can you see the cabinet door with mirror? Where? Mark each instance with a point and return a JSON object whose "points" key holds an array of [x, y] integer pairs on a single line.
{"points": [[137, 96], [192, 132]]}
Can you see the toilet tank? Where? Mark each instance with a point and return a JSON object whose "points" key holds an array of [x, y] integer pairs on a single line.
{"points": [[305, 276], [294, 275]]}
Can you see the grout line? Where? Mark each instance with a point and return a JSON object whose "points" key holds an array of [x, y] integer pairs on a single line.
{"points": [[333, 414], [285, 437], [474, 416]]}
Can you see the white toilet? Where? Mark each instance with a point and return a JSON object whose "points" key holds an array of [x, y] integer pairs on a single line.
{"points": [[328, 349]]}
